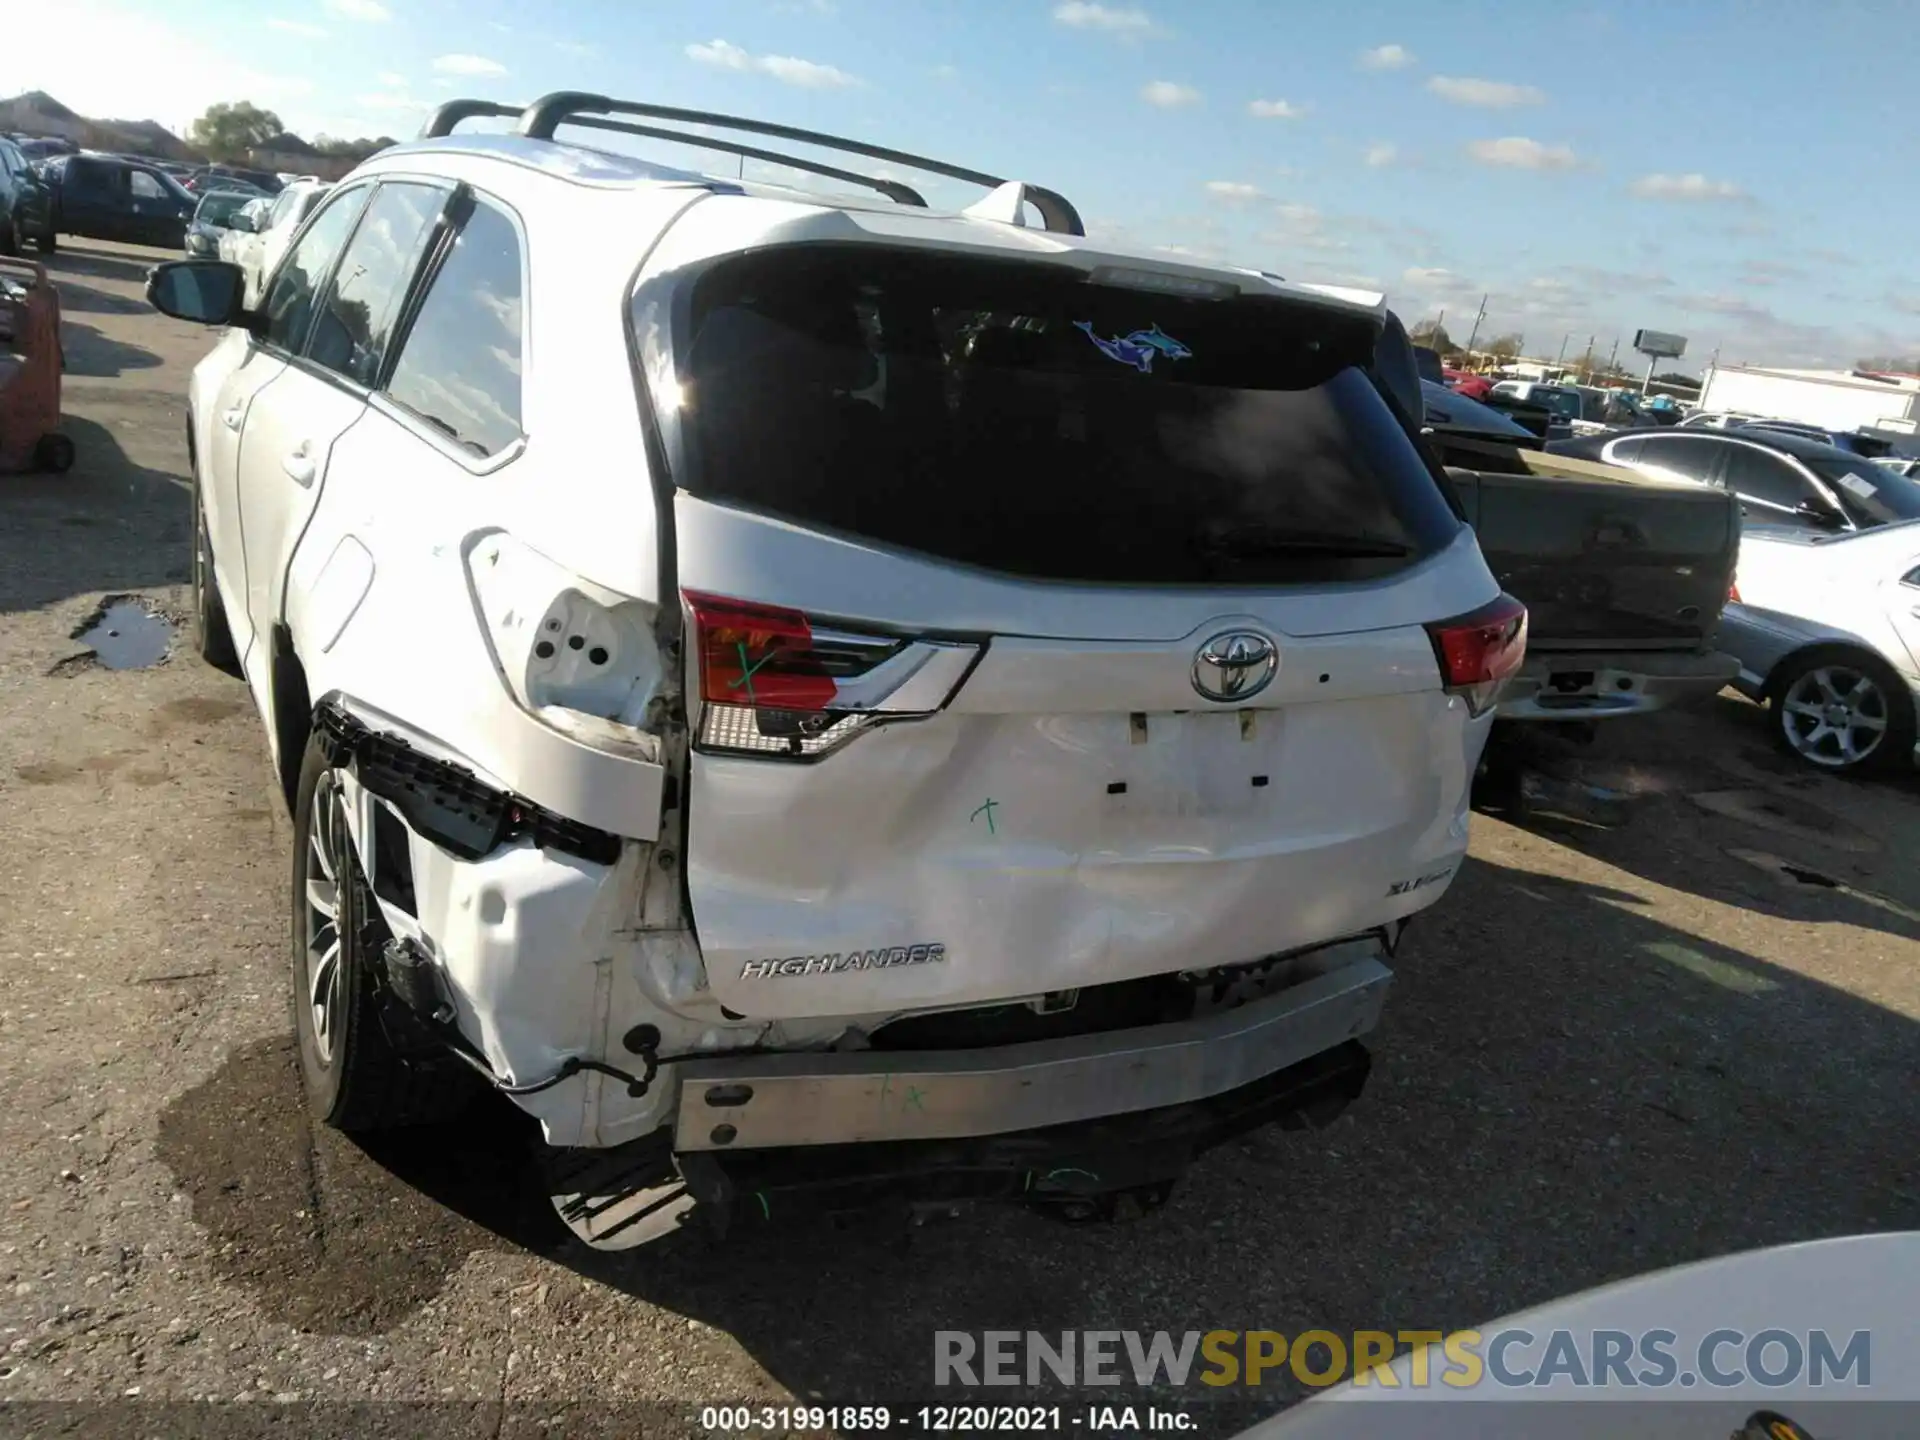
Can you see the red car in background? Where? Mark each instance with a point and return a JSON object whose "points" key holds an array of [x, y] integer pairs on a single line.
{"points": [[1462, 382]]}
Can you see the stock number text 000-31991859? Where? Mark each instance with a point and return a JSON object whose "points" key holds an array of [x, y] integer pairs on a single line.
{"points": [[783, 1419]]}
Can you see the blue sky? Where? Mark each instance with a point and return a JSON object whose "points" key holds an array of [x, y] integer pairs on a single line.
{"points": [[1725, 169]]}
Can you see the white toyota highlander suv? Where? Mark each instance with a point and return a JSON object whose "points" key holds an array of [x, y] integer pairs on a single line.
{"points": [[808, 694]]}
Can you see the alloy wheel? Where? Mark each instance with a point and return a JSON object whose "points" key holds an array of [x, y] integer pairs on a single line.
{"points": [[325, 878], [1835, 715]]}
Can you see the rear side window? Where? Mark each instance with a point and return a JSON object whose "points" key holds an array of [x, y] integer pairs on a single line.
{"points": [[351, 330], [144, 186], [1691, 458], [296, 284], [459, 366], [89, 177], [1756, 475], [1018, 418]]}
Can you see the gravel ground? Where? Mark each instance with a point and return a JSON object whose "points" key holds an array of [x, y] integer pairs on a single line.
{"points": [[1627, 1038]]}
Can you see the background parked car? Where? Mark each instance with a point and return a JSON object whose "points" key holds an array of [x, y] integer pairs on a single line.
{"points": [[104, 197], [1827, 632], [212, 219], [1781, 479], [1841, 439], [26, 210], [227, 177], [258, 251]]}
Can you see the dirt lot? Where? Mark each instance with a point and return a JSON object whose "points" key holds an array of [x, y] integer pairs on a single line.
{"points": [[1627, 1038]]}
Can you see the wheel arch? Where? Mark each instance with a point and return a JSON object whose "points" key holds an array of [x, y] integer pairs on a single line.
{"points": [[292, 711], [1829, 646]]}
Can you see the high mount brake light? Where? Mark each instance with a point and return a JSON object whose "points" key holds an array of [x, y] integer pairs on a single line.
{"points": [[1479, 650]]}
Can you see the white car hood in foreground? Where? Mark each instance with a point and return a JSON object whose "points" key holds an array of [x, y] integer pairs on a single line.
{"points": [[1842, 1287]]}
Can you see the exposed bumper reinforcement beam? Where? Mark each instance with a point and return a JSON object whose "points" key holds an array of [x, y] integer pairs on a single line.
{"points": [[748, 1102]]}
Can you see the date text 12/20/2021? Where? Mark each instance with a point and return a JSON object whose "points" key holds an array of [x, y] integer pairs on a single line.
{"points": [[939, 1419]]}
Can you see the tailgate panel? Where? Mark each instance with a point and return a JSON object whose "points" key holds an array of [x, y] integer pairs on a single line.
{"points": [[1003, 839], [1603, 561]]}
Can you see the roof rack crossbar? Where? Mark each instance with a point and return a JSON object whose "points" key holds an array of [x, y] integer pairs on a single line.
{"points": [[442, 121], [892, 189], [540, 119]]}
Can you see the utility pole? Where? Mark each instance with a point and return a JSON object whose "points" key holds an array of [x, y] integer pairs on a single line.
{"points": [[1613, 354], [1473, 333], [1561, 358], [1586, 363]]}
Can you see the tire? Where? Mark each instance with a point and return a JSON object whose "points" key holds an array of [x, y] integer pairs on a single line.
{"points": [[48, 243], [10, 239], [354, 1080], [212, 636], [1843, 711], [53, 453]]}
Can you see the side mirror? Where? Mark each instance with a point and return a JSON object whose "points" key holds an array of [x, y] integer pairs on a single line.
{"points": [[241, 221], [207, 292]]}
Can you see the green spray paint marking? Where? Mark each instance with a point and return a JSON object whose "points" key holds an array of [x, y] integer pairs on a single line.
{"points": [[913, 1101], [747, 669], [986, 810]]}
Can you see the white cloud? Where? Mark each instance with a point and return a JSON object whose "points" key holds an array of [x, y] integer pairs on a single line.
{"points": [[1386, 57], [1130, 23], [298, 27], [1487, 94], [472, 65], [1233, 191], [371, 11], [1276, 109], [725, 55], [392, 80], [1381, 153], [1167, 95], [1519, 153], [1686, 187], [574, 47]]}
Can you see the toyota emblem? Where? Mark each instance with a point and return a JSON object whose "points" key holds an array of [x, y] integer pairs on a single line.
{"points": [[1235, 665]]}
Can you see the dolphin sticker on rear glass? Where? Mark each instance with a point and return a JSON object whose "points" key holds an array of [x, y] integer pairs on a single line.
{"points": [[1137, 349]]}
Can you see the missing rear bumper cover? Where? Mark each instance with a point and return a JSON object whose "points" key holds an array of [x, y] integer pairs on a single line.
{"points": [[449, 805]]}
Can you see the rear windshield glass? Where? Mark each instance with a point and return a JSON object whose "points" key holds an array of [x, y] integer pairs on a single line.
{"points": [[1870, 493], [1010, 416]]}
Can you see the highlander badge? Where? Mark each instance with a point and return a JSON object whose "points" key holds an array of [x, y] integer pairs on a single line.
{"points": [[1234, 665], [884, 959]]}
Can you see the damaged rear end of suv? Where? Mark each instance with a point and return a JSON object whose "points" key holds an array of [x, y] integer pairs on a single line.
{"points": [[924, 705]]}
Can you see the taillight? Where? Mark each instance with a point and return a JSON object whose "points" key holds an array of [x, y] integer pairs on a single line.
{"points": [[1733, 593], [1479, 650], [775, 682]]}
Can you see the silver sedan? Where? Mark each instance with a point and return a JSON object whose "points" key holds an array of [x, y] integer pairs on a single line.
{"points": [[1827, 632]]}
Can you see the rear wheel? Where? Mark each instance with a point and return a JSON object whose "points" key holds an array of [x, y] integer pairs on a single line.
{"points": [[353, 1077], [47, 241], [9, 239], [54, 452], [1842, 710]]}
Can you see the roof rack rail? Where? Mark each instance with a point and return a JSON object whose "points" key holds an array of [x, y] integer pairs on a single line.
{"points": [[442, 121], [574, 107]]}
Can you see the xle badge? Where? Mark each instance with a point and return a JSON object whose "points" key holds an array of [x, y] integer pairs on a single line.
{"points": [[791, 965], [1402, 887]]}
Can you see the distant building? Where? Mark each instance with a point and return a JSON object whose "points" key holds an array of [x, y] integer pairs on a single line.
{"points": [[1832, 399]]}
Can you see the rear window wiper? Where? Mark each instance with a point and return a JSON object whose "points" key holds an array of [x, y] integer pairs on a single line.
{"points": [[1258, 544]]}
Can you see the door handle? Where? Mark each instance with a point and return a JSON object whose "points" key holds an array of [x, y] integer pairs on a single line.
{"points": [[298, 462], [231, 419]]}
